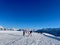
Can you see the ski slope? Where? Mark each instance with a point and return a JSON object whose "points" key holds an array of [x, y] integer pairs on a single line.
{"points": [[16, 38]]}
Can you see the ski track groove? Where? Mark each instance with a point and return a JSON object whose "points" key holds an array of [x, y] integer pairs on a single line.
{"points": [[12, 42], [18, 39]]}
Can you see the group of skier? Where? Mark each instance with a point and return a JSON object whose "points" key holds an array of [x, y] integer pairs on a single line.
{"points": [[29, 32]]}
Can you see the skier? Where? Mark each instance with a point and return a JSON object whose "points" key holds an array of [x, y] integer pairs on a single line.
{"points": [[30, 33], [23, 32]]}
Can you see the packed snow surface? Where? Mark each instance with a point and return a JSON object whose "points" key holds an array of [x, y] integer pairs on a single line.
{"points": [[17, 38]]}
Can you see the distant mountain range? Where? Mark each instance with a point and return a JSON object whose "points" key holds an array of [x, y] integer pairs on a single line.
{"points": [[53, 31]]}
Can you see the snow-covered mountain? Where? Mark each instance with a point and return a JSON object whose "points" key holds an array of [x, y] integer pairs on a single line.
{"points": [[17, 38], [8, 29], [1, 26], [53, 31]]}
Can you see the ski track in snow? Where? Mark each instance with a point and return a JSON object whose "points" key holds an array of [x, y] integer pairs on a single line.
{"points": [[16, 38]]}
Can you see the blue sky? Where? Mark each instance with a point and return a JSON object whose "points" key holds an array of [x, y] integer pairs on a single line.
{"points": [[30, 13]]}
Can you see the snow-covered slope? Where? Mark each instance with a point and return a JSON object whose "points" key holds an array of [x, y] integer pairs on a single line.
{"points": [[16, 38]]}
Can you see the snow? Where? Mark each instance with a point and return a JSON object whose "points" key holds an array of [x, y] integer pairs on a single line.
{"points": [[48, 34], [16, 38]]}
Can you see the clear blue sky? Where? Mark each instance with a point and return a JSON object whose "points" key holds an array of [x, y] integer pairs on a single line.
{"points": [[30, 13]]}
